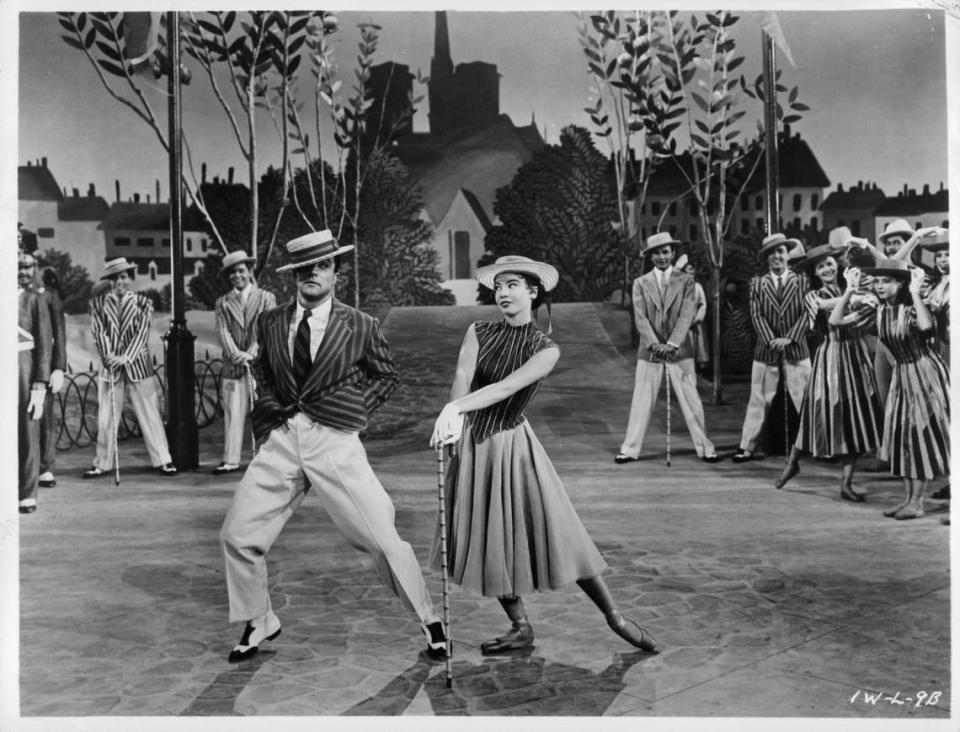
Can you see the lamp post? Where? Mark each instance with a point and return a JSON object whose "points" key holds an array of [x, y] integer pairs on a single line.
{"points": [[181, 423], [771, 157]]}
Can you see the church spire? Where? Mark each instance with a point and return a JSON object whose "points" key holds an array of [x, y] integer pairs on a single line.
{"points": [[441, 77], [441, 65]]}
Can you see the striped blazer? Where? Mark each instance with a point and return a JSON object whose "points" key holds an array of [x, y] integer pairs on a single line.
{"points": [[665, 319], [779, 315], [237, 326], [353, 372], [121, 328]]}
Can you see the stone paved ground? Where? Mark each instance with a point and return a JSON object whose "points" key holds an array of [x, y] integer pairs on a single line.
{"points": [[766, 603]]}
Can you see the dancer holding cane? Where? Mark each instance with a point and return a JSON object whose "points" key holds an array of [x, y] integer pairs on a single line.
{"points": [[445, 589], [510, 525], [664, 306], [236, 315]]}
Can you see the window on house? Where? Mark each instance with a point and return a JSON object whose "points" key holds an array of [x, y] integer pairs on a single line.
{"points": [[643, 208], [797, 223], [711, 207], [758, 203], [643, 233], [673, 230], [797, 202], [744, 203], [460, 256], [855, 227], [142, 267], [122, 241], [203, 244], [945, 224], [672, 211], [780, 202], [694, 207], [145, 241], [814, 224], [814, 201], [744, 226], [165, 243], [45, 232], [841, 222], [152, 267], [693, 234], [655, 208], [189, 244], [760, 225]]}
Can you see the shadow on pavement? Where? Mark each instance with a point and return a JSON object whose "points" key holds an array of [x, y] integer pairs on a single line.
{"points": [[220, 696]]}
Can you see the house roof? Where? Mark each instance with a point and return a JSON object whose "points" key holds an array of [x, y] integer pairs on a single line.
{"points": [[136, 216], [857, 197], [913, 204], [87, 208], [36, 183], [478, 211]]}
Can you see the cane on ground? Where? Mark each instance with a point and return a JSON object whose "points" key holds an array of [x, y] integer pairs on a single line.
{"points": [[666, 380], [443, 566], [116, 428], [250, 399]]}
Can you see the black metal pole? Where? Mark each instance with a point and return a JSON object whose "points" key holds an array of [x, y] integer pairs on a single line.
{"points": [[770, 125], [181, 423]]}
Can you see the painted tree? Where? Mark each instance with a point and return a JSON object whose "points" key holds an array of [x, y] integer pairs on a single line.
{"points": [[74, 279], [558, 208]]}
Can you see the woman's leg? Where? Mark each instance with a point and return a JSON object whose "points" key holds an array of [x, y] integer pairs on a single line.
{"points": [[520, 634], [907, 490], [790, 469], [914, 507], [627, 629], [846, 480]]}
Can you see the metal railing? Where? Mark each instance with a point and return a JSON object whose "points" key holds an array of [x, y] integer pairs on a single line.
{"points": [[76, 406]]}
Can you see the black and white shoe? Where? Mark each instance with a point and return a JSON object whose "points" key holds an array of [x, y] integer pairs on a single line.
{"points": [[94, 472], [167, 469], [224, 468], [256, 632], [436, 640], [46, 480]]}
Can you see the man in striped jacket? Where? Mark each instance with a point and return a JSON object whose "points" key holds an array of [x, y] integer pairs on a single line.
{"points": [[236, 316], [781, 321], [322, 368], [120, 325]]}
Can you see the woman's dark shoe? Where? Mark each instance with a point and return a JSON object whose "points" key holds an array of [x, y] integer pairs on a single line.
{"points": [[790, 471], [941, 494], [848, 494], [631, 632], [519, 636], [436, 641]]}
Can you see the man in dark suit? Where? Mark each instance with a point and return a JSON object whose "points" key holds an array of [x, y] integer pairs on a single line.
{"points": [[49, 290], [664, 304], [781, 321], [34, 348], [322, 368]]}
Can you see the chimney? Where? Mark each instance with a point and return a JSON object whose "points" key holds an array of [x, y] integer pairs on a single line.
{"points": [[117, 184], [216, 180], [44, 162], [65, 194], [905, 190], [926, 189], [136, 198], [148, 198], [91, 191], [839, 187], [941, 185], [912, 193], [203, 173], [29, 163], [859, 185], [76, 193], [786, 132], [230, 176], [158, 189]]}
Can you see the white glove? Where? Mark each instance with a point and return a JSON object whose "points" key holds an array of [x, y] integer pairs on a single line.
{"points": [[35, 406], [56, 380], [448, 427]]}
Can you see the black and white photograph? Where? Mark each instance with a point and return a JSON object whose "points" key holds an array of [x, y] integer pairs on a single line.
{"points": [[514, 361]]}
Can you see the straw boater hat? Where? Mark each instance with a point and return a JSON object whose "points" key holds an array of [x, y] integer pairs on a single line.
{"points": [[817, 255], [887, 267], [897, 227], [773, 241], [937, 241], [547, 274], [313, 248], [234, 258], [24, 260], [660, 239], [681, 262], [839, 238], [116, 266], [797, 255]]}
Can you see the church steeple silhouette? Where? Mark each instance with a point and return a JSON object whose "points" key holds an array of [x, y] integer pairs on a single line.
{"points": [[441, 76]]}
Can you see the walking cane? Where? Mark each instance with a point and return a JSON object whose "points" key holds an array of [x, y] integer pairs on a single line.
{"points": [[116, 429], [443, 565], [786, 408], [253, 436], [666, 379]]}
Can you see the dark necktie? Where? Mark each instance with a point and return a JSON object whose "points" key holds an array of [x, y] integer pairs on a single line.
{"points": [[301, 350]]}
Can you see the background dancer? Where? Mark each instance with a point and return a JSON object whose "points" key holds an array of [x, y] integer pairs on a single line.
{"points": [[512, 529]]}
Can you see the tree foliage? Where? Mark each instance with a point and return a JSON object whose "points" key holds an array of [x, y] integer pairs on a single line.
{"points": [[74, 280], [561, 207], [208, 284]]}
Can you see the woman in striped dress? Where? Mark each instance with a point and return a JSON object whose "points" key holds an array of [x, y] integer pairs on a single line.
{"points": [[511, 527], [842, 414], [916, 432]]}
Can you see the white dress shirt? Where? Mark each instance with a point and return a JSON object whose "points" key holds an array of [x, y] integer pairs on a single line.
{"points": [[245, 293], [319, 318], [663, 277]]}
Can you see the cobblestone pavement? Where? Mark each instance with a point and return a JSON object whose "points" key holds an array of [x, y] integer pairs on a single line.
{"points": [[765, 603]]}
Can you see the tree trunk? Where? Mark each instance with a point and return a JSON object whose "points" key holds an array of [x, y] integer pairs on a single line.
{"points": [[717, 388]]}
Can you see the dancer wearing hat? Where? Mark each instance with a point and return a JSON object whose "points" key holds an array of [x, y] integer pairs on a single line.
{"points": [[916, 430], [664, 306], [511, 527], [323, 367], [34, 349], [781, 321], [842, 414], [936, 294], [701, 348], [120, 325], [236, 316]]}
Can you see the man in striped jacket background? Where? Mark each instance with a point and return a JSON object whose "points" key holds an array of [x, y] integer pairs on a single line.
{"points": [[120, 325], [781, 322], [236, 316]]}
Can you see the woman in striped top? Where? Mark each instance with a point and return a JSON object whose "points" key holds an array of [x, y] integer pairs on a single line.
{"points": [[842, 414], [916, 433], [511, 527]]}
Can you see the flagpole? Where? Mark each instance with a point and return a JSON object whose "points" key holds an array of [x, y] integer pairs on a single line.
{"points": [[181, 426], [771, 155]]}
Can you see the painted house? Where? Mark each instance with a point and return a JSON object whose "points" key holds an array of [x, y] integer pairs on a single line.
{"points": [[853, 208], [459, 240], [923, 209]]}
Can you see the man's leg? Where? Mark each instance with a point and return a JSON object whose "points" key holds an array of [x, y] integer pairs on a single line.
{"points": [[336, 466], [29, 439], [48, 435], [684, 380], [143, 396], [269, 492], [106, 425], [764, 379], [646, 386], [234, 398], [798, 374]]}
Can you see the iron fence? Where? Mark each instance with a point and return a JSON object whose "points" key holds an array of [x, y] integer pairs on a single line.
{"points": [[76, 406]]}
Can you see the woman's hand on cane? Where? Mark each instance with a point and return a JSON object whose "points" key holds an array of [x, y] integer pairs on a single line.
{"points": [[448, 427]]}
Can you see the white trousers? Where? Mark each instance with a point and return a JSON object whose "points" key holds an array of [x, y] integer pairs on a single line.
{"points": [[334, 464], [646, 387], [764, 380], [143, 397], [235, 398]]}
